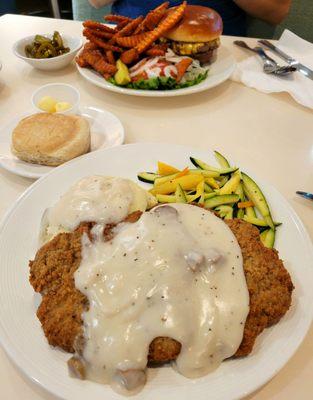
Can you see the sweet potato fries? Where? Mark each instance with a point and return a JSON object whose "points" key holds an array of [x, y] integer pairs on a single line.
{"points": [[128, 40]]}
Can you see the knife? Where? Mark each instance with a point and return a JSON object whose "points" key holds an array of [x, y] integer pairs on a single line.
{"points": [[300, 67], [306, 195]]}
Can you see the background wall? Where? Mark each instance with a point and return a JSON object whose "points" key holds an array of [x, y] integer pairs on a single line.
{"points": [[299, 20]]}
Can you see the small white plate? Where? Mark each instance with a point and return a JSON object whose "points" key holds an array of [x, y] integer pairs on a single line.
{"points": [[105, 128], [21, 335], [219, 72]]}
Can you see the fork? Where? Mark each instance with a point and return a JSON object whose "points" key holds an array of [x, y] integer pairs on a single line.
{"points": [[270, 66]]}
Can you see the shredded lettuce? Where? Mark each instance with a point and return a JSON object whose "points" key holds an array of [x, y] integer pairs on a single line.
{"points": [[162, 83]]}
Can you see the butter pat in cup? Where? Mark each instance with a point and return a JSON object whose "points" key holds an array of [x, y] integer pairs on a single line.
{"points": [[50, 105], [56, 97]]}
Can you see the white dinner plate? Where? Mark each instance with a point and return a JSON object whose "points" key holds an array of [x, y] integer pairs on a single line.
{"points": [[219, 72], [105, 128], [20, 332]]}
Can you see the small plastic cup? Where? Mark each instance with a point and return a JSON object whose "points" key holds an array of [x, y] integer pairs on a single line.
{"points": [[61, 92]]}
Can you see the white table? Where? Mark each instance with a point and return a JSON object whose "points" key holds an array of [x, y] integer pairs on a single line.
{"points": [[272, 133]]}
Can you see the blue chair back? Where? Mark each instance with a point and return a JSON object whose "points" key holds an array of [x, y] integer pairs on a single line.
{"points": [[82, 10]]}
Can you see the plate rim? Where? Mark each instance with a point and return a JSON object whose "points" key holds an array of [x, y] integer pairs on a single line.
{"points": [[11, 351], [224, 76], [81, 110]]}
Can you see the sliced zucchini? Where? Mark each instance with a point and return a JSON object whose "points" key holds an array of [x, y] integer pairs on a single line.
{"points": [[166, 198], [171, 198], [229, 215], [199, 193], [205, 173], [180, 195], [268, 238], [240, 192], [209, 195], [249, 212], [202, 165], [221, 160], [207, 188], [148, 177], [255, 221], [162, 179], [220, 200], [201, 199], [223, 208], [227, 171], [254, 193], [263, 236], [225, 211], [224, 179], [240, 213], [193, 199], [258, 221]]}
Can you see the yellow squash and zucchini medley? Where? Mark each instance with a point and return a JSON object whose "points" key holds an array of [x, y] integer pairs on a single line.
{"points": [[226, 190]]}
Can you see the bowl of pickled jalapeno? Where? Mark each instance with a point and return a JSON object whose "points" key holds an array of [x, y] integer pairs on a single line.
{"points": [[48, 51]]}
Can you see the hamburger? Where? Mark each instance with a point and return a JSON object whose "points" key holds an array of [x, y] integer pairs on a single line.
{"points": [[197, 35]]}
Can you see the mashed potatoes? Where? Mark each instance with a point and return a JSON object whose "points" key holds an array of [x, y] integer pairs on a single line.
{"points": [[101, 199]]}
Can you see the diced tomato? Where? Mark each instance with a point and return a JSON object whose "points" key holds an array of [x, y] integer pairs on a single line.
{"points": [[158, 68], [142, 75]]}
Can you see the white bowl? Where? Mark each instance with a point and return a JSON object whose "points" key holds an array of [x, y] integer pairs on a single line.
{"points": [[48, 64], [60, 92]]}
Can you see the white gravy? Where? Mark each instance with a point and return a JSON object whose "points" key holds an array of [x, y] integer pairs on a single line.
{"points": [[95, 198], [176, 272]]}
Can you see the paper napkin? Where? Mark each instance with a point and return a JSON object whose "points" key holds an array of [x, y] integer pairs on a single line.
{"points": [[250, 71]]}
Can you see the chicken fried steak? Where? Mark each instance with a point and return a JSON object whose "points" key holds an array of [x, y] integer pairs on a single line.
{"points": [[52, 275]]}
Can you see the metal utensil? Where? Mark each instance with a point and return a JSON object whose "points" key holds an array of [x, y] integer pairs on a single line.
{"points": [[270, 66], [291, 61], [306, 195]]}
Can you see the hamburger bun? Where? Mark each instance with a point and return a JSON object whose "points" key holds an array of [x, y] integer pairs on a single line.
{"points": [[50, 139], [198, 24], [197, 34]]}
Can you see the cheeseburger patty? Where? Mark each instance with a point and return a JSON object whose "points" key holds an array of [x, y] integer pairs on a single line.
{"points": [[197, 34], [204, 52], [52, 275], [189, 49]]}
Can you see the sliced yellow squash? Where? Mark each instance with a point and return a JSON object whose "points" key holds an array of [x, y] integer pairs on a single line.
{"points": [[166, 169], [199, 192], [231, 186], [187, 182], [212, 182]]}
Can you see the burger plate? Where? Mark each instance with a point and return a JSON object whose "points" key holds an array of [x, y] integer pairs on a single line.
{"points": [[219, 72]]}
